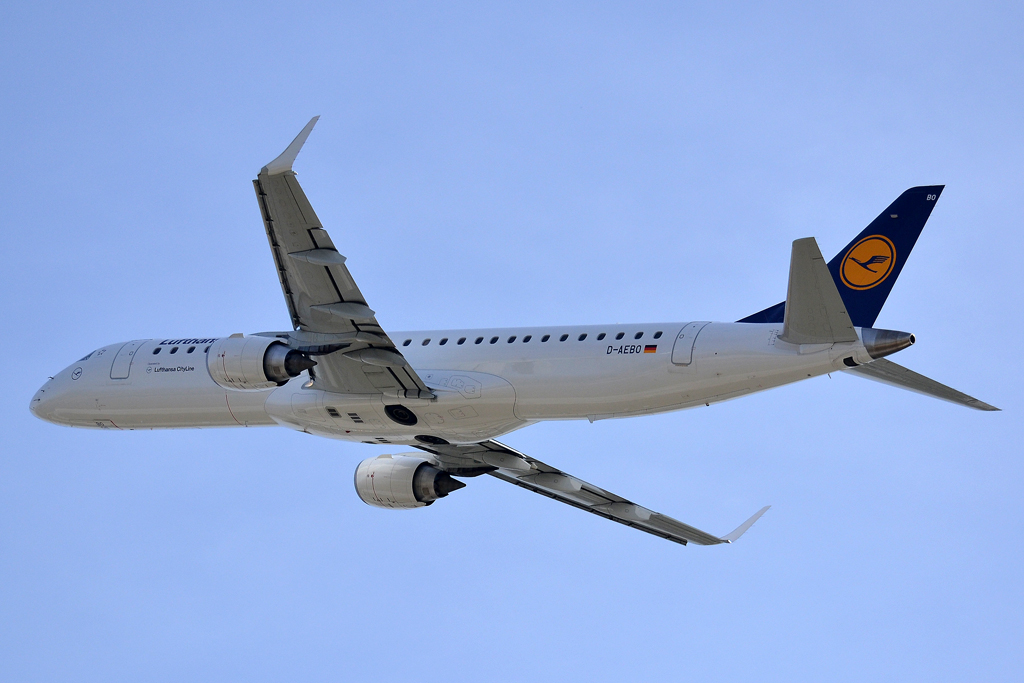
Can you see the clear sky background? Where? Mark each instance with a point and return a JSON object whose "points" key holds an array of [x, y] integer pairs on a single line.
{"points": [[498, 165]]}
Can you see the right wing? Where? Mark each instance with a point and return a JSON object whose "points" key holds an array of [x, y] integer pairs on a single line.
{"points": [[328, 311], [510, 465], [887, 372]]}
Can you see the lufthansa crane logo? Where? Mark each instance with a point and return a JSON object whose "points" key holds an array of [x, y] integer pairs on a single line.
{"points": [[868, 262]]}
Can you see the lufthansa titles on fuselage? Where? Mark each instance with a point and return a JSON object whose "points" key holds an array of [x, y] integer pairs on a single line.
{"points": [[182, 342]]}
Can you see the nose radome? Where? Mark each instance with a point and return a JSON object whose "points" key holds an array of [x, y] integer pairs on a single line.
{"points": [[45, 402], [39, 404]]}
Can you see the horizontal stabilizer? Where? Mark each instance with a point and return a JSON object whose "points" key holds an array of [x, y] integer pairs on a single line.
{"points": [[887, 372], [742, 528], [815, 313]]}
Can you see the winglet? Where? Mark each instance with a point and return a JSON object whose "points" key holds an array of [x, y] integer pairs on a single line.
{"points": [[742, 528], [284, 162]]}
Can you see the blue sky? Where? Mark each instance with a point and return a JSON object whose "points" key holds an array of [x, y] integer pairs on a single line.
{"points": [[516, 164]]}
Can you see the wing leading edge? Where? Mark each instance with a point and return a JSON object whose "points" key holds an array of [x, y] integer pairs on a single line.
{"points": [[510, 465]]}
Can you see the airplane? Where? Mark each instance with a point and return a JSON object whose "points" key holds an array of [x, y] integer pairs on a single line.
{"points": [[450, 393]]}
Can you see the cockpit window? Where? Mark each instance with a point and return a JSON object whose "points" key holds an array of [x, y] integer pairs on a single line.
{"points": [[157, 350], [86, 357]]}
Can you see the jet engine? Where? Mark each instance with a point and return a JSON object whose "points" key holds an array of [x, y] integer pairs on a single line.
{"points": [[251, 363], [402, 482]]}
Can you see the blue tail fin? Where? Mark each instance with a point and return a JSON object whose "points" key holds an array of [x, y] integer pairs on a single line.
{"points": [[867, 268]]}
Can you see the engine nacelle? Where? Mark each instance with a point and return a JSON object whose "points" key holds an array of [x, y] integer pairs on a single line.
{"points": [[251, 363], [402, 482]]}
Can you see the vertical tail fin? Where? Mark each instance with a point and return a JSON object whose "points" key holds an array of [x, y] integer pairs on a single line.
{"points": [[867, 268]]}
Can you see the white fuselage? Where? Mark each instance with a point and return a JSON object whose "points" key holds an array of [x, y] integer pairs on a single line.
{"points": [[483, 389]]}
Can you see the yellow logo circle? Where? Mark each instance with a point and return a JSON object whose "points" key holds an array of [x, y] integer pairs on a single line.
{"points": [[868, 262]]}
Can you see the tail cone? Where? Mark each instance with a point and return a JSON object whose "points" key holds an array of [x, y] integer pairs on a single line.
{"points": [[881, 343]]}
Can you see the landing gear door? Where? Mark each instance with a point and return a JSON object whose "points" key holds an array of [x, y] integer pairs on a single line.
{"points": [[123, 360], [682, 351]]}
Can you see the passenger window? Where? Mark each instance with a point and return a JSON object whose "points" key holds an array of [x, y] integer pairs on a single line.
{"points": [[527, 338], [545, 337], [462, 340], [174, 349], [494, 340], [478, 340], [638, 335], [600, 336], [563, 337], [191, 349], [157, 350], [511, 339], [582, 337], [620, 335], [443, 341], [407, 342], [657, 335], [426, 341]]}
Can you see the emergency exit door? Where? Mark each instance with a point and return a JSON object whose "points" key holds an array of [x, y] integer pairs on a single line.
{"points": [[123, 360], [682, 351]]}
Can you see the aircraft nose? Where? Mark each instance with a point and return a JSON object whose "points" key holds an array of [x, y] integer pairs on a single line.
{"points": [[43, 403]]}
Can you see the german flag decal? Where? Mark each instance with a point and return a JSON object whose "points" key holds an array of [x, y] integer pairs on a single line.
{"points": [[651, 348]]}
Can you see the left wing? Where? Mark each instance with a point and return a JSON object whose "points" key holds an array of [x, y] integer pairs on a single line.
{"points": [[328, 312], [510, 465]]}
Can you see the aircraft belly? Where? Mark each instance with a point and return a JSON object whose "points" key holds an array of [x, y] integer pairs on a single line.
{"points": [[576, 388], [470, 407]]}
